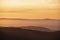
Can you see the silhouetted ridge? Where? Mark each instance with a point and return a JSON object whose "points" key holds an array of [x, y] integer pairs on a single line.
{"points": [[27, 19], [14, 33], [37, 28]]}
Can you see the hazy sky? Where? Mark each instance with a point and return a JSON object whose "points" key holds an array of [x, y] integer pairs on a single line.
{"points": [[29, 9]]}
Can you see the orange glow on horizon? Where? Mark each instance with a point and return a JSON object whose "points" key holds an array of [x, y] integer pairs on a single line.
{"points": [[30, 9]]}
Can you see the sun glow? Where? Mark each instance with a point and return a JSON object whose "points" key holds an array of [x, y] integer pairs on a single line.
{"points": [[11, 3], [19, 3], [30, 8]]}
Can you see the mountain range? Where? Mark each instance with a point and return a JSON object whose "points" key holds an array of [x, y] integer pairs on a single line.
{"points": [[26, 19]]}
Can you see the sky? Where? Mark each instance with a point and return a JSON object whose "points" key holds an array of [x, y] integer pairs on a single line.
{"points": [[30, 9]]}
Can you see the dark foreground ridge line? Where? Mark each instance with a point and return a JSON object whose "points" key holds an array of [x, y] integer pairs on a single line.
{"points": [[9, 33]]}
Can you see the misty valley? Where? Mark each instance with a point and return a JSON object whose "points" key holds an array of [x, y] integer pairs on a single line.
{"points": [[29, 29], [53, 24]]}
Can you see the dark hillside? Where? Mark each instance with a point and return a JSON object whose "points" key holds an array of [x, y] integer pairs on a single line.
{"points": [[9, 33]]}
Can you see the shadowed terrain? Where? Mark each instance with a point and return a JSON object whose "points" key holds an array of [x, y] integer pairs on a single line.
{"points": [[16, 33]]}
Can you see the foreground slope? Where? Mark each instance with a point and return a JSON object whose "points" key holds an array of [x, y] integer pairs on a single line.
{"points": [[11, 33]]}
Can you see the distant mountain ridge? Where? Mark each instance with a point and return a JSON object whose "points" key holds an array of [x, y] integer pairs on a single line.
{"points": [[37, 28], [26, 19]]}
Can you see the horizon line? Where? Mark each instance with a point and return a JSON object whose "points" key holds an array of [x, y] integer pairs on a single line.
{"points": [[29, 18]]}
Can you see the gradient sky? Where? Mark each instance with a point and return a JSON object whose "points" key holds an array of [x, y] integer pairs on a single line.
{"points": [[29, 9]]}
